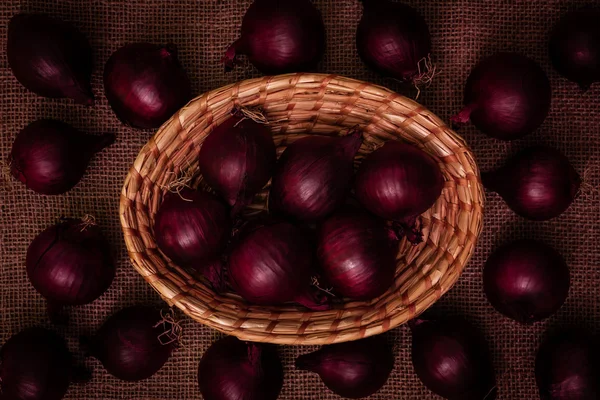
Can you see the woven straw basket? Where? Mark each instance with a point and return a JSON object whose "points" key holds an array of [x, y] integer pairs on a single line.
{"points": [[298, 105]]}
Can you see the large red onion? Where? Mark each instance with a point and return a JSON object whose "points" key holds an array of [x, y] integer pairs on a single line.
{"points": [[393, 39], [50, 57], [357, 254], [575, 46], [314, 176], [233, 370], [352, 369], [567, 367], [507, 96], [134, 343], [280, 36], [538, 183], [526, 280], [452, 359], [237, 159], [50, 157], [399, 182], [273, 264], [70, 263], [145, 84]]}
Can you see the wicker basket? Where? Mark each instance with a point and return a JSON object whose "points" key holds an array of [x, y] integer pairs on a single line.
{"points": [[301, 104]]}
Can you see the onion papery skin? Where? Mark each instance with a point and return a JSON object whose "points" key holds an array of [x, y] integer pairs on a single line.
{"points": [[452, 359], [233, 370], [526, 280], [50, 157], [134, 343], [70, 263], [399, 182], [272, 264], [145, 84], [538, 183], [357, 254], [35, 364], [393, 38], [237, 160], [352, 369], [50, 57], [507, 96], [567, 367], [280, 36], [313, 176], [575, 47]]}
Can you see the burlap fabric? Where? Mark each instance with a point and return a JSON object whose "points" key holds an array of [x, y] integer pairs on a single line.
{"points": [[463, 32]]}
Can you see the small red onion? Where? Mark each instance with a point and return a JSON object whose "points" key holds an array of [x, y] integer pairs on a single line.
{"points": [[314, 176], [134, 343], [538, 183], [50, 57], [352, 369], [507, 96], [233, 370], [237, 159], [50, 157], [145, 84]]}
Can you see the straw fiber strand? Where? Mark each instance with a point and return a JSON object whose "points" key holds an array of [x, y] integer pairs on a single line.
{"points": [[463, 31]]}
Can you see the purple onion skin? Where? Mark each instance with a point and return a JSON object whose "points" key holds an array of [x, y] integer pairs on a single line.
{"points": [[538, 183], [233, 370], [357, 254], [452, 360], [145, 84], [353, 369], [575, 47], [70, 263], [507, 96], [280, 36], [314, 176], [132, 344], [273, 264], [567, 367], [35, 364], [526, 280], [50, 157], [192, 227], [393, 38], [50, 57], [237, 160]]}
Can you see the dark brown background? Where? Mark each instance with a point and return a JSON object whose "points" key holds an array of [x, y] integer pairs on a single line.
{"points": [[463, 32]]}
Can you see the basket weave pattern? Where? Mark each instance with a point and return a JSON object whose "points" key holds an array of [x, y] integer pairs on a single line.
{"points": [[297, 105]]}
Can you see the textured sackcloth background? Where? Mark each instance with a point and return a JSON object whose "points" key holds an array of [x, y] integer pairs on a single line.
{"points": [[463, 31]]}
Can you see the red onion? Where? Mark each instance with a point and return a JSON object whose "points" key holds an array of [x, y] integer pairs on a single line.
{"points": [[50, 157], [567, 367], [352, 369], [50, 57], [70, 263], [538, 183], [134, 343], [280, 36], [35, 364], [233, 370], [507, 96], [575, 47], [273, 264], [237, 159], [526, 280], [314, 176], [452, 359], [399, 182], [393, 39], [357, 254], [145, 84]]}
